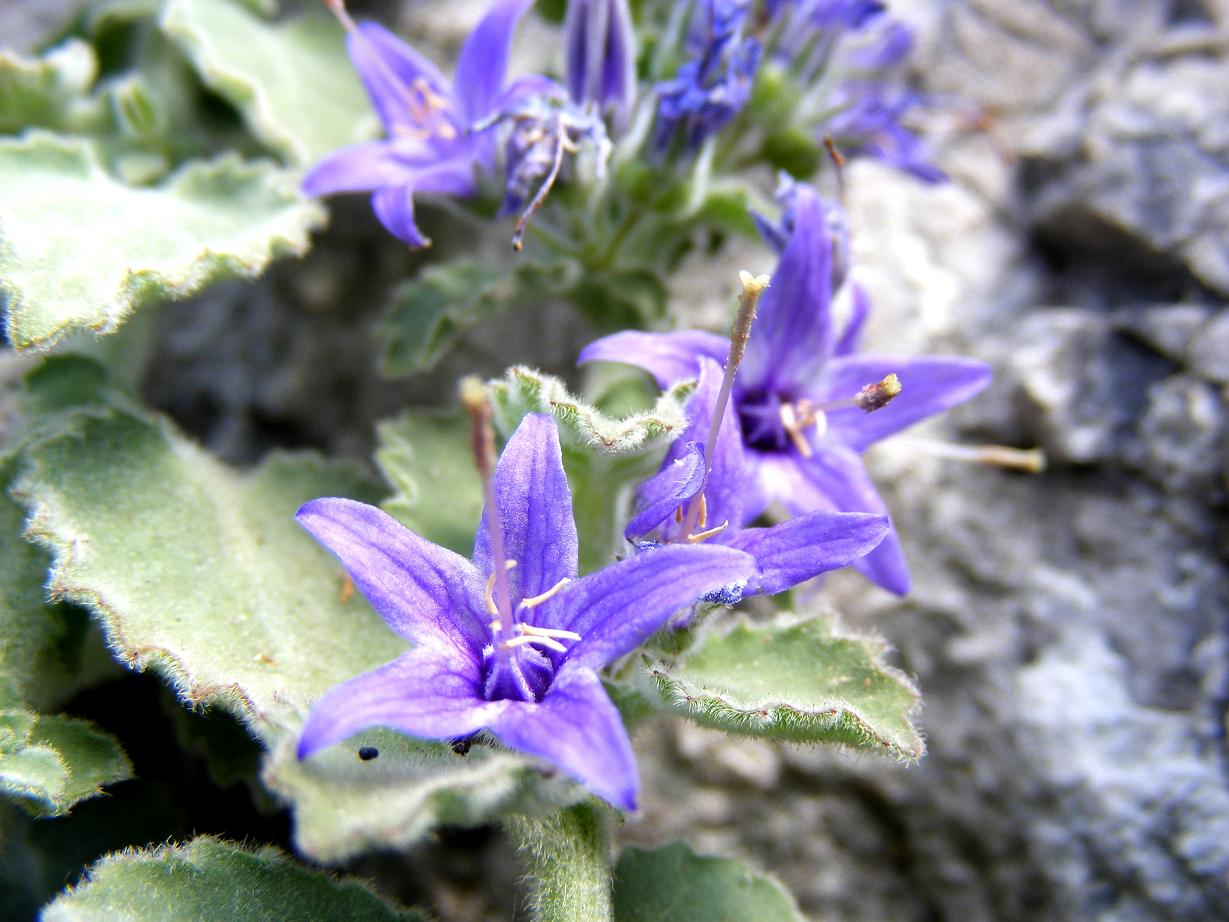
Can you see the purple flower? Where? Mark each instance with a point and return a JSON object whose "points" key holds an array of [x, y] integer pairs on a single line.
{"points": [[438, 132], [803, 430], [601, 53], [685, 503], [525, 667], [711, 88]]}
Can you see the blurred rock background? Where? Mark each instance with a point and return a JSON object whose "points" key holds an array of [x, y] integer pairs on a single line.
{"points": [[1069, 630]]}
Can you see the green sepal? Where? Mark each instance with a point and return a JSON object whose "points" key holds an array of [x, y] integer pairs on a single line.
{"points": [[793, 679], [674, 884], [80, 250], [211, 880], [292, 80]]}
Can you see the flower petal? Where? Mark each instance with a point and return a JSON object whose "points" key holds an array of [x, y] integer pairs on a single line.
{"points": [[804, 547], [792, 335], [394, 206], [389, 69], [835, 479], [668, 357], [361, 168], [616, 608], [535, 506], [859, 311], [577, 727], [679, 479], [727, 472], [483, 62], [425, 593], [426, 693], [929, 385]]}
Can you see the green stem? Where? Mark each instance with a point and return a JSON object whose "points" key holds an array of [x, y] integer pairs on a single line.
{"points": [[567, 855]]}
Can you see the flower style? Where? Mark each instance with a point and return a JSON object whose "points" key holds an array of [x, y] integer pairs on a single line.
{"points": [[439, 133], [507, 642], [797, 396], [711, 88], [601, 53], [694, 498]]}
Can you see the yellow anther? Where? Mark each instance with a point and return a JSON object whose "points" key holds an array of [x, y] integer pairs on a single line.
{"points": [[678, 515], [490, 590], [550, 593], [705, 535], [703, 519], [524, 639]]}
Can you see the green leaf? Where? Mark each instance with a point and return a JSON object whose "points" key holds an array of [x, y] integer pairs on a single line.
{"points": [[428, 313], [568, 862], [428, 460], [48, 763], [292, 80], [79, 249], [524, 390], [209, 880], [51, 91], [60, 762], [201, 573], [791, 679], [674, 884]]}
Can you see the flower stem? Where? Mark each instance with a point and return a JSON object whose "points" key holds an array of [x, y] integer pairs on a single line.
{"points": [[567, 855]]}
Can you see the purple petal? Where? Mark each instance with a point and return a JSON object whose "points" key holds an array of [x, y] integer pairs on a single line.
{"points": [[929, 385], [668, 357], [361, 168], [679, 479], [617, 608], [483, 62], [425, 593], [836, 479], [394, 206], [804, 547], [577, 727], [791, 337], [535, 506], [584, 23], [389, 69], [426, 693], [619, 59], [859, 311]]}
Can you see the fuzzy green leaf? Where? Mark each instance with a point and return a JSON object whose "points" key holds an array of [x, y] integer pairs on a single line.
{"points": [[60, 761], [209, 880], [292, 80], [524, 390], [428, 460], [203, 574], [428, 313], [792, 679], [674, 884], [51, 91], [48, 763], [79, 249]]}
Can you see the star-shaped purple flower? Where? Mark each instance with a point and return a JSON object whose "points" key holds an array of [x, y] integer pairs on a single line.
{"points": [[513, 649], [438, 133], [688, 501], [803, 430]]}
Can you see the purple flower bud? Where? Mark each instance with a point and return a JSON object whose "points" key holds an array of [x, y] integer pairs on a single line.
{"points": [[601, 53]]}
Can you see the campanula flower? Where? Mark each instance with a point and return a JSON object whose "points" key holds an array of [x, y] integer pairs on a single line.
{"points": [[600, 47], [509, 641], [438, 132], [697, 498], [800, 395], [713, 86]]}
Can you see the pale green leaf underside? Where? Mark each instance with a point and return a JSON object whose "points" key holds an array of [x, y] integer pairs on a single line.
{"points": [[49, 91], [428, 460], [209, 880], [524, 390], [79, 249], [794, 680], [292, 81], [203, 574], [674, 884]]}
